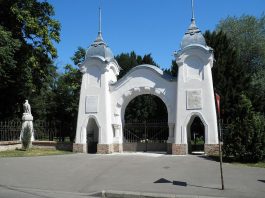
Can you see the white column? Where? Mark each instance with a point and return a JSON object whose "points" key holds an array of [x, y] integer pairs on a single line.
{"points": [[171, 127], [117, 134]]}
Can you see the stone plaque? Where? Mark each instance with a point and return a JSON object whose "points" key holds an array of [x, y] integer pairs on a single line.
{"points": [[91, 104], [194, 99]]}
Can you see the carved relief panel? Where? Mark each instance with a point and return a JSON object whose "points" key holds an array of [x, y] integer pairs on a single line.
{"points": [[91, 104], [194, 99]]}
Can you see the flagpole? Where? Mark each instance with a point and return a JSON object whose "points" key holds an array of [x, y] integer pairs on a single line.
{"points": [[217, 105]]}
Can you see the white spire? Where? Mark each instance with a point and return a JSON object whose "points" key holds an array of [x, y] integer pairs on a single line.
{"points": [[99, 20], [99, 40], [192, 8]]}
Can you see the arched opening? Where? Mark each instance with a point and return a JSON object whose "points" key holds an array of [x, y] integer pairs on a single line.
{"points": [[146, 124], [195, 135], [92, 136]]}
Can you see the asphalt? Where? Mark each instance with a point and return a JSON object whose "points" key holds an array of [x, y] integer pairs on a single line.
{"points": [[126, 175]]}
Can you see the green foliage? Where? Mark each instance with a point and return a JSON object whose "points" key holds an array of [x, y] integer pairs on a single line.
{"points": [[27, 34], [146, 108], [32, 152], [174, 68], [248, 37], [173, 71], [245, 137], [79, 56], [230, 78], [26, 137], [129, 60], [66, 95], [8, 47], [30, 21], [67, 98], [257, 91]]}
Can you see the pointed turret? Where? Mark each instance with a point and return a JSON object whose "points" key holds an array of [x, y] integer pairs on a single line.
{"points": [[193, 35], [99, 48]]}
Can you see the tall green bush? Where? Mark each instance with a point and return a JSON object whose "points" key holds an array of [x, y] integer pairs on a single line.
{"points": [[26, 138], [245, 138]]}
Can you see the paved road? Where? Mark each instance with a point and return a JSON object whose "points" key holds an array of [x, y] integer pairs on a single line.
{"points": [[80, 175]]}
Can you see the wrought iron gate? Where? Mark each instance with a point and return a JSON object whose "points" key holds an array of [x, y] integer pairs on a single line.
{"points": [[145, 136]]}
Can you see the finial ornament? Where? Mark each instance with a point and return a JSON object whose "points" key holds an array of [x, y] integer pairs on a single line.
{"points": [[99, 39], [192, 7], [99, 20]]}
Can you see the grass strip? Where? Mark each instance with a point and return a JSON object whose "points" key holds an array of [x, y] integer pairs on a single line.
{"points": [[32, 152]]}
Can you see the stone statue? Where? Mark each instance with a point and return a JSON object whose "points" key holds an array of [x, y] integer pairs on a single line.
{"points": [[26, 107], [27, 121]]}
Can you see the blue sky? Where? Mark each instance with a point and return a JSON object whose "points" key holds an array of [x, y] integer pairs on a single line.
{"points": [[143, 26]]}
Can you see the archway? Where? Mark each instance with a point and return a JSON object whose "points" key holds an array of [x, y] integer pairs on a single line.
{"points": [[195, 135], [92, 135], [146, 124]]}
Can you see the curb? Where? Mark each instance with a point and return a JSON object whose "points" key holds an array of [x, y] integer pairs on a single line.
{"points": [[129, 194]]}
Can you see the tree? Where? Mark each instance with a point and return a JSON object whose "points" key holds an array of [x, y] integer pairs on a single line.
{"points": [[129, 60], [173, 71], [67, 94], [245, 138], [79, 56], [8, 47], [146, 108], [30, 31], [67, 98], [247, 36], [230, 78], [257, 91]]}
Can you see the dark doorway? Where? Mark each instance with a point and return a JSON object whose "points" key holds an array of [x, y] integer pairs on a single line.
{"points": [[196, 136], [146, 124], [92, 136]]}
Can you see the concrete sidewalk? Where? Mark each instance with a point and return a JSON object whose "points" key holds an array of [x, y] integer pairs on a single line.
{"points": [[81, 175]]}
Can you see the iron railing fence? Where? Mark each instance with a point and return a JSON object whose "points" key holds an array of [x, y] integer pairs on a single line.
{"points": [[47, 131], [10, 130], [43, 131], [151, 132], [151, 121]]}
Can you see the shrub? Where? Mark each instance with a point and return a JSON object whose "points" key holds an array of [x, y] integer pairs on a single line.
{"points": [[245, 138], [26, 137]]}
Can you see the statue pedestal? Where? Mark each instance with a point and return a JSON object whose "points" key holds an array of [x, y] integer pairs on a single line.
{"points": [[27, 120], [27, 117]]}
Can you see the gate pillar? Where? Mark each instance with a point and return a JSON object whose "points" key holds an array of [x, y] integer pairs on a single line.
{"points": [[117, 138], [170, 139], [171, 127]]}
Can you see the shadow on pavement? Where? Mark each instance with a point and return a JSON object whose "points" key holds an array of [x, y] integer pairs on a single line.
{"points": [[215, 159], [162, 181], [184, 184], [260, 180], [179, 183]]}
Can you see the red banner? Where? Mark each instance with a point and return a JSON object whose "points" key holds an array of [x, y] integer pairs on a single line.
{"points": [[217, 98]]}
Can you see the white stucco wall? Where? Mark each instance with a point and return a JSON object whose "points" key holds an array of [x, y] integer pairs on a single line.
{"points": [[95, 83], [195, 63], [105, 99], [143, 79]]}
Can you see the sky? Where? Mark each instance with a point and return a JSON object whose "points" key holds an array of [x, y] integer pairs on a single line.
{"points": [[143, 26]]}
